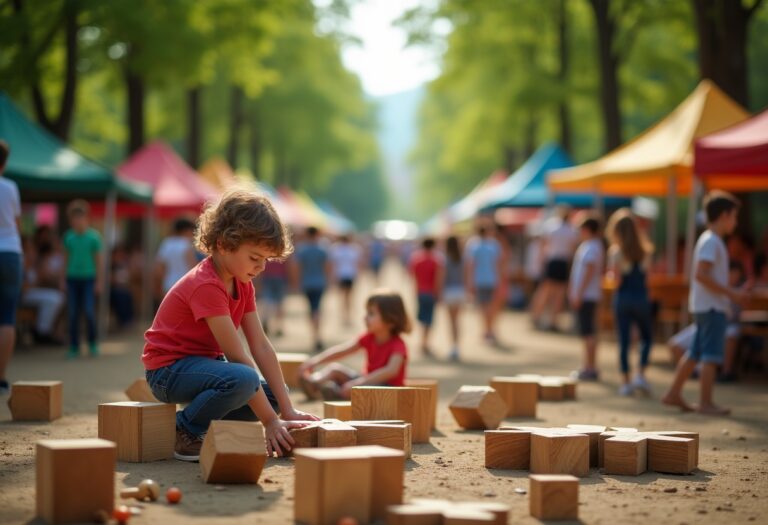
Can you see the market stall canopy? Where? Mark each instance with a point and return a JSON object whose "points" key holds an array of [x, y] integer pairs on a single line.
{"points": [[47, 170], [178, 188], [218, 173], [735, 158], [663, 153], [527, 186]]}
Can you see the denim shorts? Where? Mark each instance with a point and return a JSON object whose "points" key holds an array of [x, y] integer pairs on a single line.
{"points": [[314, 297], [709, 342], [426, 311], [10, 287]]}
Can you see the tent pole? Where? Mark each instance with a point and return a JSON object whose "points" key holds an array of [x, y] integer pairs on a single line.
{"points": [[149, 260], [672, 226], [109, 241], [690, 227]]}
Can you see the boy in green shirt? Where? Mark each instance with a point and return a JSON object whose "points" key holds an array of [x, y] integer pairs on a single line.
{"points": [[82, 249]]}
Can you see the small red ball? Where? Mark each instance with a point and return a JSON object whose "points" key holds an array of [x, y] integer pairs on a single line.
{"points": [[122, 514], [173, 495]]}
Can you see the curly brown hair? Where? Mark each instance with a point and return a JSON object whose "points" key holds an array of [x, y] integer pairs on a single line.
{"points": [[391, 308], [242, 216]]}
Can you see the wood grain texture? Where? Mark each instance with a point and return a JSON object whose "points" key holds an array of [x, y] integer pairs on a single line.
{"points": [[233, 452], [508, 449], [139, 391], [554, 497], [626, 455], [554, 452], [36, 400], [520, 395], [478, 407], [143, 431], [404, 403]]}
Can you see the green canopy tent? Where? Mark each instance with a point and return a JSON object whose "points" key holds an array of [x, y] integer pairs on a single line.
{"points": [[47, 170]]}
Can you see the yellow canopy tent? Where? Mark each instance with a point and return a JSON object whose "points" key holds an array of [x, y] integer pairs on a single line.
{"points": [[660, 160], [218, 172]]}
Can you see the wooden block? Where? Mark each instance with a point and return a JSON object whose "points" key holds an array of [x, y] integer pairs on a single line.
{"points": [[289, 365], [233, 452], [388, 471], [397, 436], [433, 387], [341, 410], [139, 391], [569, 389], [671, 455], [508, 449], [388, 402], [331, 483], [305, 437], [593, 431], [142, 431], [520, 395], [414, 515], [626, 455], [500, 511], [334, 433], [691, 435], [554, 497], [478, 407], [551, 390], [456, 515], [36, 400], [75, 479], [559, 453]]}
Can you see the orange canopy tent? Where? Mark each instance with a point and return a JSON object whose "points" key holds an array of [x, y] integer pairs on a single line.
{"points": [[218, 173]]}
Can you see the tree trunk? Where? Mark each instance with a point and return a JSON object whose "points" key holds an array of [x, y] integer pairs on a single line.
{"points": [[235, 124], [255, 142], [193, 126], [135, 87], [722, 29], [609, 63], [564, 116]]}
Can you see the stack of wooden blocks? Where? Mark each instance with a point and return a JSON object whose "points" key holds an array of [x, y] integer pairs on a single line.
{"points": [[334, 433], [410, 404]]}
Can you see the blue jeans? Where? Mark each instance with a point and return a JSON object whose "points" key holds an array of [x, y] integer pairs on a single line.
{"points": [[10, 287], [637, 311], [81, 299], [214, 388]]}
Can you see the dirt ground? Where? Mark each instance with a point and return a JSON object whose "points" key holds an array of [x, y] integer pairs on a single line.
{"points": [[731, 484]]}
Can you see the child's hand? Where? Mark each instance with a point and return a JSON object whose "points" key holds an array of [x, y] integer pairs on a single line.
{"points": [[298, 415], [346, 388], [277, 437]]}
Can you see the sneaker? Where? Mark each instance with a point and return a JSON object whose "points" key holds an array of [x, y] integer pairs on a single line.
{"points": [[331, 391], [640, 383], [187, 446], [4, 387], [93, 350], [73, 352], [626, 390]]}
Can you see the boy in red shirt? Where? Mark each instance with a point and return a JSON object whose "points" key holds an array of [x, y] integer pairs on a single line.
{"points": [[386, 353], [427, 268], [193, 352]]}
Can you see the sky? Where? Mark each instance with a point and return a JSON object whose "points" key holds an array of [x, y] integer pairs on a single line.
{"points": [[383, 62]]}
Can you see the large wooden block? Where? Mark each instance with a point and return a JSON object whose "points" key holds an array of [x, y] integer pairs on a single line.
{"points": [[601, 444], [75, 479], [434, 389], [508, 449], [456, 515], [691, 435], [551, 389], [478, 407], [387, 402], [388, 471], [289, 365], [671, 455], [593, 431], [233, 452], [626, 455], [331, 483], [36, 400], [341, 410], [334, 433], [520, 395], [554, 497], [414, 515], [142, 431], [397, 436], [554, 452], [139, 391]]}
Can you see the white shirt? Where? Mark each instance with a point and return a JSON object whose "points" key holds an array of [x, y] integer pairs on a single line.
{"points": [[561, 238], [346, 260], [10, 210], [710, 248], [174, 254], [589, 252]]}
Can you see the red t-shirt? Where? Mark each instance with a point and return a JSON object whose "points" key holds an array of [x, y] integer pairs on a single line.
{"points": [[424, 266], [179, 329], [378, 355]]}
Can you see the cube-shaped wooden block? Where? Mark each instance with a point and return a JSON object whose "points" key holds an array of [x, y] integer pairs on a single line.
{"points": [[142, 431], [36, 400], [626, 455], [671, 455], [551, 389], [289, 365], [341, 410], [691, 435], [305, 437], [554, 452], [414, 515], [392, 435], [75, 479], [233, 452], [388, 471], [520, 395], [478, 407], [601, 443], [508, 449], [335, 433], [554, 497], [593, 431], [331, 483], [388, 402], [139, 391], [434, 389]]}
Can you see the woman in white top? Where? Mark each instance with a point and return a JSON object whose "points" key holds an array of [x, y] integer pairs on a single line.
{"points": [[346, 259]]}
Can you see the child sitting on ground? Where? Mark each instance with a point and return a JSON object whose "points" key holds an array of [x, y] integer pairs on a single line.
{"points": [[193, 353], [386, 353]]}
